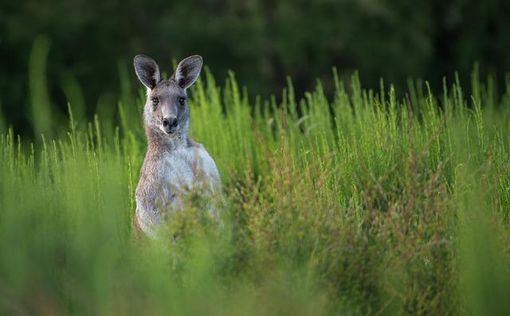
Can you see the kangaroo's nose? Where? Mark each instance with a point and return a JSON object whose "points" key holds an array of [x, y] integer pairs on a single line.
{"points": [[170, 123]]}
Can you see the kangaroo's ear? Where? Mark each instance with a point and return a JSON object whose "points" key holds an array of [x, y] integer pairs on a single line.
{"points": [[147, 70], [187, 71]]}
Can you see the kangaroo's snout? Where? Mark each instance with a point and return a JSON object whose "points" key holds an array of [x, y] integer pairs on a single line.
{"points": [[170, 124]]}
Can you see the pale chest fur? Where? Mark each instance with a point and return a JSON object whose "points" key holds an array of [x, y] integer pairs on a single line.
{"points": [[166, 177], [185, 169]]}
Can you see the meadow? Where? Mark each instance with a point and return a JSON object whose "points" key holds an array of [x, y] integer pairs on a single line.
{"points": [[357, 203]]}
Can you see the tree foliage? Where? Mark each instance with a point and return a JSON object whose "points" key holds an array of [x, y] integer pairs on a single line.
{"points": [[262, 41]]}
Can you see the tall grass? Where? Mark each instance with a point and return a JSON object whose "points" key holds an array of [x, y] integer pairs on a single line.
{"points": [[357, 204]]}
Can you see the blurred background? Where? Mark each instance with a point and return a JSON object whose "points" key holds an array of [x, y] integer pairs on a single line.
{"points": [[88, 44]]}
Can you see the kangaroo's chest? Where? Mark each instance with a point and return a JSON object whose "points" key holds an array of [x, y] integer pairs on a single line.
{"points": [[186, 168], [166, 177]]}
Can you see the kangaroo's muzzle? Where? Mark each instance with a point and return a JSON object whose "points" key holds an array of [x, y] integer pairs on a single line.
{"points": [[170, 124]]}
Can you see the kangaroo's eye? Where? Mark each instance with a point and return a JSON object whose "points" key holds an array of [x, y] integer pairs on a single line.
{"points": [[182, 100], [155, 101]]}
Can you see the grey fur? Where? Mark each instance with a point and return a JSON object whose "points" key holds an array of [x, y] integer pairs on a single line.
{"points": [[147, 70], [173, 164], [187, 71]]}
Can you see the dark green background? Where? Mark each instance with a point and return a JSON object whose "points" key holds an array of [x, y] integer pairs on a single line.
{"points": [[262, 41]]}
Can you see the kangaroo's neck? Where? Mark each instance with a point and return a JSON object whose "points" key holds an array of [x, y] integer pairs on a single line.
{"points": [[157, 141]]}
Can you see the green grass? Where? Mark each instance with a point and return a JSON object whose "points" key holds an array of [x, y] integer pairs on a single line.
{"points": [[357, 204]]}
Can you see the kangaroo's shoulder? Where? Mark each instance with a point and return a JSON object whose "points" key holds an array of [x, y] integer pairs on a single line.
{"points": [[190, 143], [202, 155], [198, 149], [151, 163], [151, 177]]}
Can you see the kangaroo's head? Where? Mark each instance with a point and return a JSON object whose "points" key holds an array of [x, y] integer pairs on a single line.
{"points": [[166, 110]]}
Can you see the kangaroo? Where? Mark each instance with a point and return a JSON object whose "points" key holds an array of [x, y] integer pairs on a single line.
{"points": [[174, 164]]}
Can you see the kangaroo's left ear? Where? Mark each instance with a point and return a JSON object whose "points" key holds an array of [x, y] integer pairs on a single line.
{"points": [[187, 71]]}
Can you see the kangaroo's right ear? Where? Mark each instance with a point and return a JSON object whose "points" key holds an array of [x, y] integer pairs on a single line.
{"points": [[147, 70]]}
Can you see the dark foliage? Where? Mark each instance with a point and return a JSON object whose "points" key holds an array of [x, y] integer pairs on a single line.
{"points": [[262, 41]]}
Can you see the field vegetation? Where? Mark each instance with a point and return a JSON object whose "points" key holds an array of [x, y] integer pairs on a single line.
{"points": [[360, 202]]}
